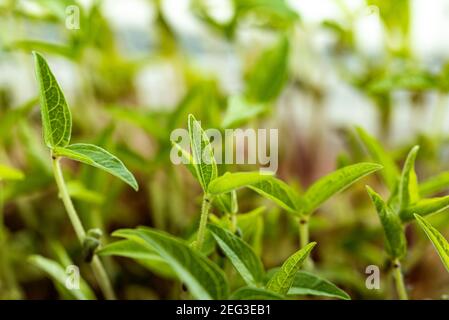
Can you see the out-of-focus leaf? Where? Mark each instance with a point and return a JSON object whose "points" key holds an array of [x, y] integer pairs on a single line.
{"points": [[408, 184], [139, 119], [282, 280], [335, 182], [202, 154], [233, 181], [306, 283], [78, 191], [437, 239], [251, 225], [10, 173], [390, 171], [268, 75], [56, 116], [435, 184], [240, 254], [143, 254], [251, 293], [239, 110], [59, 275], [396, 244], [100, 158], [203, 278]]}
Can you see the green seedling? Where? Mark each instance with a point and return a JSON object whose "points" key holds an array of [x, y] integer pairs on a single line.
{"points": [[403, 204], [57, 128]]}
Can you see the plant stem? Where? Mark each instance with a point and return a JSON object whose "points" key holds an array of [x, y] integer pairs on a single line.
{"points": [[97, 266], [304, 239], [303, 231], [205, 206], [399, 280]]}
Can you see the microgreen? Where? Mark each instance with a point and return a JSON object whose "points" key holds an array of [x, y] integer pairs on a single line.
{"points": [[57, 128]]}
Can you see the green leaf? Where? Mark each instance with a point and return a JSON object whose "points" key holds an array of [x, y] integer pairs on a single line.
{"points": [[187, 158], [241, 255], [390, 171], [335, 182], [279, 192], [434, 184], [79, 191], [408, 184], [306, 283], [59, 275], [282, 280], [146, 256], [239, 110], [10, 173], [56, 116], [425, 207], [203, 278], [100, 158], [268, 75], [251, 293], [202, 154], [437, 239], [233, 181], [396, 244], [227, 202]]}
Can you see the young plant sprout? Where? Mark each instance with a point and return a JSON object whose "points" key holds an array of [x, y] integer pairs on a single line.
{"points": [[57, 127], [403, 205], [439, 242]]}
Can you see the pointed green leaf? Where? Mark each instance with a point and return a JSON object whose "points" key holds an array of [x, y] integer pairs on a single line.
{"points": [[434, 184], [437, 239], [390, 171], [202, 154], [240, 254], [188, 160], [408, 184], [267, 77], [396, 244], [335, 182], [10, 173], [251, 293], [279, 192], [100, 158], [60, 276], [282, 280], [425, 207], [56, 116], [233, 181], [306, 283], [203, 278]]}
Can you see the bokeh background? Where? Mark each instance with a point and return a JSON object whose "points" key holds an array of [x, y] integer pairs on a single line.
{"points": [[133, 71]]}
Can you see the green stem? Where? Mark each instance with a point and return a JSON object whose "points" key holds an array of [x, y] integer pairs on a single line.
{"points": [[399, 280], [304, 239], [97, 266], [205, 206], [303, 232]]}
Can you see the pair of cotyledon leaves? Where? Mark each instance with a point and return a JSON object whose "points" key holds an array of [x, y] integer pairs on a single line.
{"points": [[405, 201], [202, 164], [205, 280], [57, 128]]}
